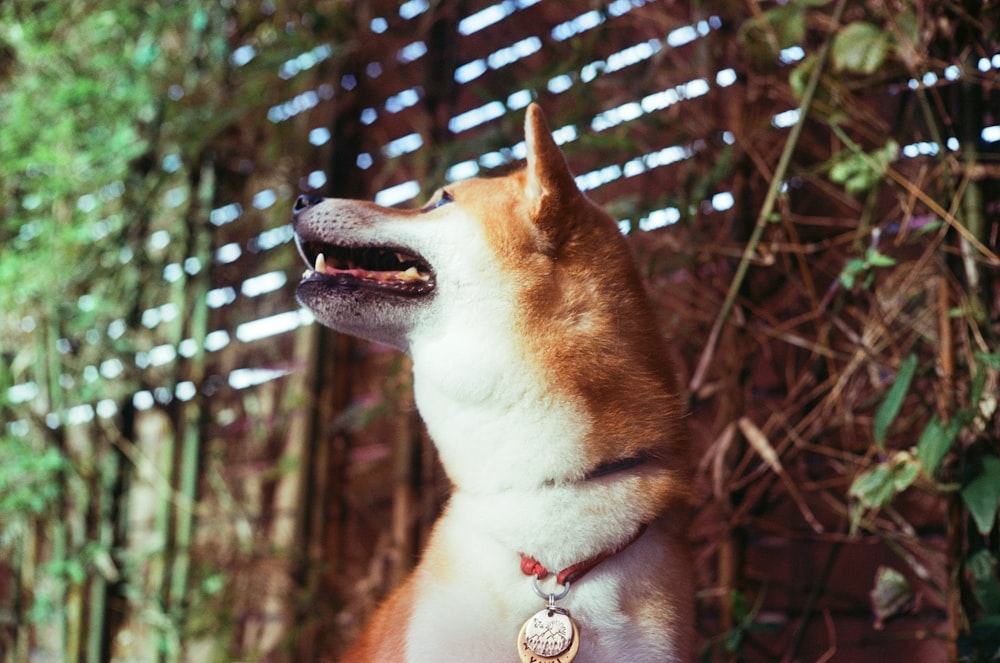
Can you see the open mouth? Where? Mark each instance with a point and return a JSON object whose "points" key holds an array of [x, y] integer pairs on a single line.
{"points": [[382, 268]]}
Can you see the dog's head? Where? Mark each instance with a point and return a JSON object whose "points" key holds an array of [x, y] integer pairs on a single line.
{"points": [[521, 306], [392, 275]]}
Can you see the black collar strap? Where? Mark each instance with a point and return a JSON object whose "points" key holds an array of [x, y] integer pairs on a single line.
{"points": [[612, 466]]}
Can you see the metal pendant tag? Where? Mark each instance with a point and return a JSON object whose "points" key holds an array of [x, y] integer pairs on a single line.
{"points": [[549, 636]]}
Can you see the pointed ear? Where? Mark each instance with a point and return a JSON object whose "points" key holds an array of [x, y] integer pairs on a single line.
{"points": [[547, 171]]}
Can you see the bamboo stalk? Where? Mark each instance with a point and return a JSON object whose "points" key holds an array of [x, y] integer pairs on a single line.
{"points": [[171, 559], [157, 567], [68, 646], [290, 527], [25, 559], [190, 414], [97, 614], [971, 127]]}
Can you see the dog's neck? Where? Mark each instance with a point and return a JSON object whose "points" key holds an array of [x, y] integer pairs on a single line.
{"points": [[531, 466], [496, 424], [561, 524]]}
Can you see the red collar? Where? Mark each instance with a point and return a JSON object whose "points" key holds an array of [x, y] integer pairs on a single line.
{"points": [[532, 567]]}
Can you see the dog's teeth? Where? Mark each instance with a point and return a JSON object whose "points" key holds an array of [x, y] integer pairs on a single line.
{"points": [[402, 257], [320, 264], [412, 274]]}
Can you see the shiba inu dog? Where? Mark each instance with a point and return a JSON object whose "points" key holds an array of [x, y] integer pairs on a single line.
{"points": [[542, 378]]}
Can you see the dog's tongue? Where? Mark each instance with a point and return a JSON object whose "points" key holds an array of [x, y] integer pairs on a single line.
{"points": [[410, 274]]}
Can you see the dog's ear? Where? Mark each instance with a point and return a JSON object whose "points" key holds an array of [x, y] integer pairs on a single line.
{"points": [[549, 179]]}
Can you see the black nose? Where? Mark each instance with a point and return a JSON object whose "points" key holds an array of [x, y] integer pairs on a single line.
{"points": [[305, 201]]}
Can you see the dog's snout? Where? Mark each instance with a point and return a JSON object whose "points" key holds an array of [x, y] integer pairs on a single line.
{"points": [[305, 201]]}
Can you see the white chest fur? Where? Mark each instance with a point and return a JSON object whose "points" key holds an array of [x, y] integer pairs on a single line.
{"points": [[494, 420]]}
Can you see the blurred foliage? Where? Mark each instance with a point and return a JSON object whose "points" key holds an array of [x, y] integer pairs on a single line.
{"points": [[83, 103], [118, 119], [29, 483]]}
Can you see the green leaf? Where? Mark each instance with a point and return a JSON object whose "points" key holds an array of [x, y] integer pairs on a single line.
{"points": [[213, 584], [891, 594], [885, 155], [857, 509], [788, 23], [905, 473], [991, 360], [873, 488], [929, 227], [982, 566], [982, 495], [876, 259], [199, 21], [983, 640], [764, 36], [877, 486], [889, 408], [860, 48], [799, 77], [846, 168], [858, 171], [850, 272], [935, 441]]}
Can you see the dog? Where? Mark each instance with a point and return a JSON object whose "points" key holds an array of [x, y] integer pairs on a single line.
{"points": [[543, 380]]}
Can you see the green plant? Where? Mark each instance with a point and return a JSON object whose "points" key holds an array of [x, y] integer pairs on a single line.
{"points": [[981, 643], [746, 622], [29, 482], [933, 422], [116, 115]]}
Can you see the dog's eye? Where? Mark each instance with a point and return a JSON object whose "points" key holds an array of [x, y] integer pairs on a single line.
{"points": [[443, 200]]}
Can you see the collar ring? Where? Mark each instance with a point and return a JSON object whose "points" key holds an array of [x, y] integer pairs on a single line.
{"points": [[551, 597]]}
